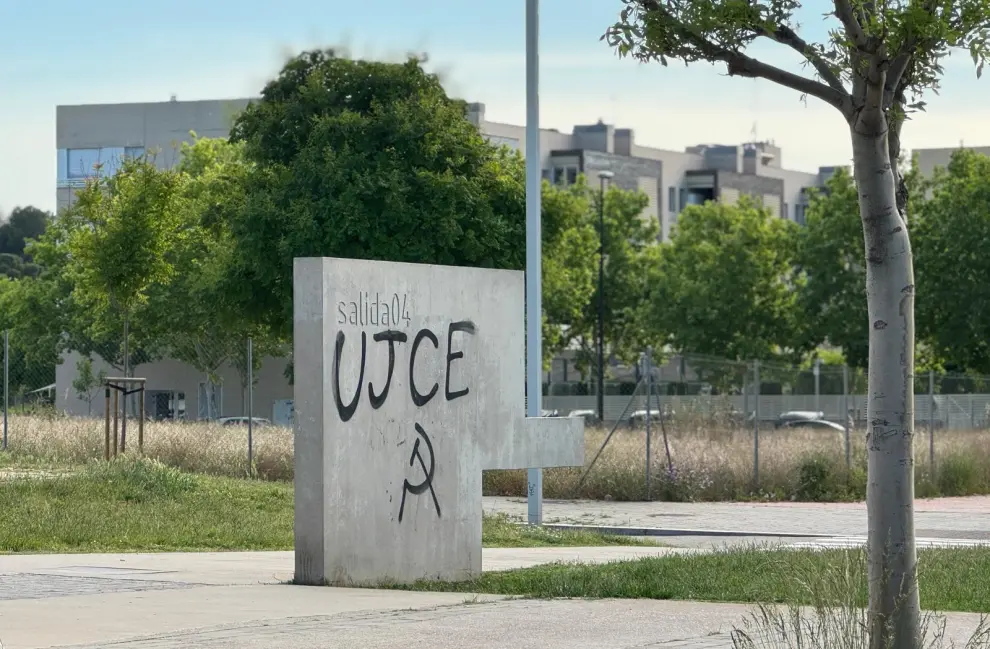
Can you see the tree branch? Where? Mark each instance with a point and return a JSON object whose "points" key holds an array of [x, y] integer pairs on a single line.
{"points": [[741, 65], [845, 13], [787, 36]]}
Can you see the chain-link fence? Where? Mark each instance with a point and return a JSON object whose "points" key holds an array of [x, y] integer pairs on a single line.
{"points": [[699, 427]]}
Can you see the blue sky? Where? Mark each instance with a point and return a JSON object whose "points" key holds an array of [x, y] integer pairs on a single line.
{"points": [[59, 52]]}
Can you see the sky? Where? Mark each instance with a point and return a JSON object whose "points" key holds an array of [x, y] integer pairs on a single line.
{"points": [[56, 52]]}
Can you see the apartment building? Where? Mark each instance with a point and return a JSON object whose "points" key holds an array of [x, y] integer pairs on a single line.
{"points": [[929, 159], [104, 134], [672, 179]]}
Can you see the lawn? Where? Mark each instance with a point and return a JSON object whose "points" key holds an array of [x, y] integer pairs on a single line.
{"points": [[951, 579], [133, 505]]}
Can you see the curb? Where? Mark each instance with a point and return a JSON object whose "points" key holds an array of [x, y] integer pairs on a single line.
{"points": [[656, 531]]}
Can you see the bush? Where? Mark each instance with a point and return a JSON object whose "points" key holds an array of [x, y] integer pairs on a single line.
{"points": [[959, 475]]}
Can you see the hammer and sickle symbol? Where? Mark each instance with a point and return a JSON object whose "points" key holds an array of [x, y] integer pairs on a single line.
{"points": [[427, 483]]}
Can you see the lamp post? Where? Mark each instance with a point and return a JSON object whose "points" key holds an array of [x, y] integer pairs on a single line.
{"points": [[534, 245], [603, 177]]}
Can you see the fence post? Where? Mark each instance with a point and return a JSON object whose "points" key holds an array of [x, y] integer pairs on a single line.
{"points": [[649, 415], [931, 421], [6, 383], [250, 396], [817, 370], [756, 426], [846, 416]]}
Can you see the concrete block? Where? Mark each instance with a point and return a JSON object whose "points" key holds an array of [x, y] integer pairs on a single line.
{"points": [[409, 381]]}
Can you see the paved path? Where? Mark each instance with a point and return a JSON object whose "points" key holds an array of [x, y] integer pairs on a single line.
{"points": [[241, 600], [943, 518]]}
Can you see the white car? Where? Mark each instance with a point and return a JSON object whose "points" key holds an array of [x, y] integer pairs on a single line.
{"points": [[243, 421]]}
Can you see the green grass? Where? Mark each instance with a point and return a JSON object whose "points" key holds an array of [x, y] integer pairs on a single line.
{"points": [[141, 505], [951, 579]]}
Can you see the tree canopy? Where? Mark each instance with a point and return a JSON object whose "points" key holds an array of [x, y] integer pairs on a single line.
{"points": [[367, 160], [832, 296], [724, 283], [951, 231]]}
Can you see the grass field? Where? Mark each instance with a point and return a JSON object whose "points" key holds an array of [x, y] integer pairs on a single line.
{"points": [[711, 461], [133, 505], [951, 579]]}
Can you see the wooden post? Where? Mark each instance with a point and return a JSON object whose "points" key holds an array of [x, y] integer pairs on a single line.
{"points": [[116, 404], [106, 445], [141, 421]]}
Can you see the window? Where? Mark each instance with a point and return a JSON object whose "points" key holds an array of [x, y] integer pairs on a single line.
{"points": [[799, 215], [672, 200], [81, 163], [565, 175], [784, 213], [134, 152]]}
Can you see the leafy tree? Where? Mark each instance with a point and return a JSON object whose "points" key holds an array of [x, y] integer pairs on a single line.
{"points": [[117, 236], [628, 238], [87, 383], [723, 283], [14, 266], [950, 234], [877, 60], [186, 316], [23, 308], [365, 160], [570, 246], [23, 224], [830, 255]]}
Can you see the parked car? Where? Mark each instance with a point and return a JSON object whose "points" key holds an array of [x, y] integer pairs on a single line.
{"points": [[638, 418], [243, 421], [590, 416], [815, 424], [798, 415], [550, 413]]}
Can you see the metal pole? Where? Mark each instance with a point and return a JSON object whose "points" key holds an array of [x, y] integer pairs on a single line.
{"points": [[756, 426], [250, 373], [126, 397], [116, 413], [931, 421], [649, 415], [534, 245], [106, 446], [846, 416], [818, 388], [601, 301], [141, 397], [6, 383]]}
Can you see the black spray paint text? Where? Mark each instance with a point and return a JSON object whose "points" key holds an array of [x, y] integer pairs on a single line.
{"points": [[420, 394], [376, 310]]}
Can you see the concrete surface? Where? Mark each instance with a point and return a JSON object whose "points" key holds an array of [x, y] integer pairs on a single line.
{"points": [[408, 381], [235, 601], [689, 524]]}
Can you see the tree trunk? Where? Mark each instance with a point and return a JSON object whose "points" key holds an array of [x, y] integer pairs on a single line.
{"points": [[894, 603]]}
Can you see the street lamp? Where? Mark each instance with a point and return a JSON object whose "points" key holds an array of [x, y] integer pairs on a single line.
{"points": [[603, 177], [534, 240]]}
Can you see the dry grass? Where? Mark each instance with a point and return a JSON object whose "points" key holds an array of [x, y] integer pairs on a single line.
{"points": [[711, 461], [196, 447]]}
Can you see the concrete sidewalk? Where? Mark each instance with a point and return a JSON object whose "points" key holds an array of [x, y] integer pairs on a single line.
{"points": [[239, 600], [941, 518]]}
